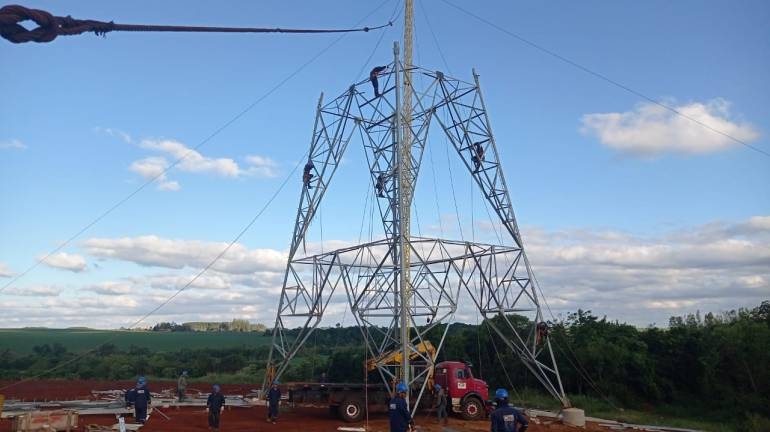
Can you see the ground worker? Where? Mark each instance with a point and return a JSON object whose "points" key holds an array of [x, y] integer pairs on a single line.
{"points": [[273, 399], [139, 397], [441, 404], [181, 385], [373, 78], [307, 176], [505, 417], [400, 418], [478, 156], [215, 405]]}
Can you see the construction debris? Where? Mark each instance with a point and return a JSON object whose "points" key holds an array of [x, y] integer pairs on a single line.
{"points": [[46, 420]]}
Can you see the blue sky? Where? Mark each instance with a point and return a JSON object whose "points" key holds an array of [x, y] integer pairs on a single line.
{"points": [[626, 209]]}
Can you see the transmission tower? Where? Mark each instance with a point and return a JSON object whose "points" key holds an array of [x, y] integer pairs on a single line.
{"points": [[401, 287]]}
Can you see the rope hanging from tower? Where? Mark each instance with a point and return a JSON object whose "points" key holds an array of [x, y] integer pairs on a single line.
{"points": [[50, 26]]}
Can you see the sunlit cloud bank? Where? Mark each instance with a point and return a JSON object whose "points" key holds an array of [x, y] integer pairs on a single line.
{"points": [[651, 129], [639, 279]]}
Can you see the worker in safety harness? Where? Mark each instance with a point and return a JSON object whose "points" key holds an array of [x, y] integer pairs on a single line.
{"points": [[506, 418], [478, 156], [139, 397], [307, 176], [380, 185], [373, 78], [400, 418]]}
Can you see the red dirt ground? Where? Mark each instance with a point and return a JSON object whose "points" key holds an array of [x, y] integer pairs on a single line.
{"points": [[193, 419]]}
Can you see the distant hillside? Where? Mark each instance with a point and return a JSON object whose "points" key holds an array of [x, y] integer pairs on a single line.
{"points": [[23, 341]]}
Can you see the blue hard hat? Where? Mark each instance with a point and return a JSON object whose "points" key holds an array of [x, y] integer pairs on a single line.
{"points": [[142, 380], [216, 388], [501, 393], [184, 372], [401, 388], [276, 382], [437, 387]]}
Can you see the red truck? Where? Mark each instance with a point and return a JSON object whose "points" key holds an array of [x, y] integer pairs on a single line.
{"points": [[466, 394]]}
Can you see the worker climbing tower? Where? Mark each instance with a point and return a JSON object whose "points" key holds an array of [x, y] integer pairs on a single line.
{"points": [[400, 287]]}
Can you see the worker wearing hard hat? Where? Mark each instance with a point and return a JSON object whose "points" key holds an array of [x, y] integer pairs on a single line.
{"points": [[273, 399], [506, 418], [139, 397], [400, 418]]}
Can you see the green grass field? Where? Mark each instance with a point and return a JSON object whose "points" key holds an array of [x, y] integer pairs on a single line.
{"points": [[22, 341]]}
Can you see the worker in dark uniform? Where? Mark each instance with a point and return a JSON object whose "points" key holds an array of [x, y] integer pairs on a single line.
{"points": [[373, 78], [400, 418], [478, 156], [307, 176], [139, 397], [215, 405], [441, 403], [273, 399], [380, 185], [505, 418], [542, 332]]}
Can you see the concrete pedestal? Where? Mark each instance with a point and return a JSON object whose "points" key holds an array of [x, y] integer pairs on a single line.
{"points": [[574, 417]]}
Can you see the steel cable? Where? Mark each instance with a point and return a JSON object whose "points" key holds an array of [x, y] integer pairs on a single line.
{"points": [[50, 26]]}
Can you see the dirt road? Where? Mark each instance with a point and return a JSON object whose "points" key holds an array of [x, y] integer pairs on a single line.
{"points": [[193, 419]]}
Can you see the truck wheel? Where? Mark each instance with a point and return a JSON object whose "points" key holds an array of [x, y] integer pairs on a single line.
{"points": [[351, 410], [472, 409]]}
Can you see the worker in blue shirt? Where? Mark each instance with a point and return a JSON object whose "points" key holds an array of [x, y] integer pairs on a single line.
{"points": [[273, 399], [400, 418], [373, 78], [139, 397], [441, 402], [505, 418], [215, 404]]}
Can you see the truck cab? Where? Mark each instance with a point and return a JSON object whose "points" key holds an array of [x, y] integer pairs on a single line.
{"points": [[466, 394]]}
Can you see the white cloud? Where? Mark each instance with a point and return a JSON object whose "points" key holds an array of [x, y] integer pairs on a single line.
{"points": [[191, 160], [64, 261], [261, 166], [34, 291], [5, 271], [155, 168], [177, 254], [12, 144], [124, 136], [651, 130], [645, 279], [632, 278]]}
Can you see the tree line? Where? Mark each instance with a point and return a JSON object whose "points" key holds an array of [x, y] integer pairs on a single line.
{"points": [[716, 362], [236, 325]]}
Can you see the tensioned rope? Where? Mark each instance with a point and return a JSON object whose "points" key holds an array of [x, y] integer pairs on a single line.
{"points": [[606, 78], [579, 367], [149, 181], [50, 26], [221, 254]]}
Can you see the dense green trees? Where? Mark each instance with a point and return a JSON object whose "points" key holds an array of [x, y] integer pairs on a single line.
{"points": [[720, 363]]}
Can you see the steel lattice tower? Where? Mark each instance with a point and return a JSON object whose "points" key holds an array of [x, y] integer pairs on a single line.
{"points": [[439, 273]]}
